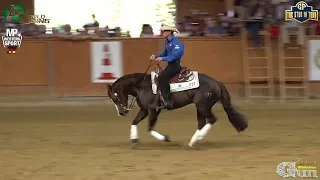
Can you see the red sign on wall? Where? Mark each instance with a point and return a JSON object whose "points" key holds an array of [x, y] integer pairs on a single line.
{"points": [[106, 61]]}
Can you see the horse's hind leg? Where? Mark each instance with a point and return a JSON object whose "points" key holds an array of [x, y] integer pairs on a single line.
{"points": [[211, 120], [204, 111], [153, 117], [201, 122], [134, 129]]}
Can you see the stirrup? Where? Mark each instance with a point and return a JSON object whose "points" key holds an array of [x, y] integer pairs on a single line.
{"points": [[161, 104], [158, 103], [169, 107], [161, 107]]}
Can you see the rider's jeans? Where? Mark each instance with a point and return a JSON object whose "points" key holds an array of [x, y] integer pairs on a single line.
{"points": [[171, 70]]}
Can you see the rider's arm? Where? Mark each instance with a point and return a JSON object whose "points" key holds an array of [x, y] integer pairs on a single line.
{"points": [[177, 52], [164, 53]]}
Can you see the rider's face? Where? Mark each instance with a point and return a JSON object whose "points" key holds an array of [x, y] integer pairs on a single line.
{"points": [[166, 34]]}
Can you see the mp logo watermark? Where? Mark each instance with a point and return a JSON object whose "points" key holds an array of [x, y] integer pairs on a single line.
{"points": [[297, 169], [12, 40]]}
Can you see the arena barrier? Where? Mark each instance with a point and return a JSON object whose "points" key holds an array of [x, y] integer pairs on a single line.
{"points": [[66, 68]]}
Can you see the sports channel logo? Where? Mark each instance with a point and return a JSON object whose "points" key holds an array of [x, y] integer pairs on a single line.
{"points": [[15, 13], [12, 40], [297, 169], [301, 12], [38, 19]]}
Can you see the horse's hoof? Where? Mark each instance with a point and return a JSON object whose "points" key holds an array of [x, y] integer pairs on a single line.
{"points": [[167, 138], [135, 143], [193, 146]]}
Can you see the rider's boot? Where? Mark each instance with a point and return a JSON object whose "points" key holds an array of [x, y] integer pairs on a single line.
{"points": [[168, 102]]}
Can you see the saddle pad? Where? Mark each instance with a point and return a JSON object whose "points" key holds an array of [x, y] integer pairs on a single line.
{"points": [[177, 87]]}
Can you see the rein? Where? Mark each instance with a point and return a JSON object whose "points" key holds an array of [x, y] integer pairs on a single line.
{"points": [[133, 100]]}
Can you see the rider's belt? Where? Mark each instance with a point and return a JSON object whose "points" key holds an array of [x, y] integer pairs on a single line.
{"points": [[174, 62]]}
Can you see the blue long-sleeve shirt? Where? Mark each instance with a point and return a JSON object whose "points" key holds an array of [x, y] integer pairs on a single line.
{"points": [[174, 50]]}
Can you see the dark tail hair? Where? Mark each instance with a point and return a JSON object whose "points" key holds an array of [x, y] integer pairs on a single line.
{"points": [[238, 120]]}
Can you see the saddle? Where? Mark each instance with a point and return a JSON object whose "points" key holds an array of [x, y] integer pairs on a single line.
{"points": [[185, 75]]}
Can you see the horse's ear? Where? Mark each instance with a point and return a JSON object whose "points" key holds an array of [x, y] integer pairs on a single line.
{"points": [[109, 87]]}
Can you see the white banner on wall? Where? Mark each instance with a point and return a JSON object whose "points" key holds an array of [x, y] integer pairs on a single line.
{"points": [[106, 61], [314, 60]]}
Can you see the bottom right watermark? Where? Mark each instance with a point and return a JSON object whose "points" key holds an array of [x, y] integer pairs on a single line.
{"points": [[298, 168]]}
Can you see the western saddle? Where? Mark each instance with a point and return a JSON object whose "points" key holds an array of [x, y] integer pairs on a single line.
{"points": [[185, 75]]}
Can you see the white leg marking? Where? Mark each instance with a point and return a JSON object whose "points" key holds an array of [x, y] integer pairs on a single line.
{"points": [[157, 135], [194, 138], [204, 131], [134, 132]]}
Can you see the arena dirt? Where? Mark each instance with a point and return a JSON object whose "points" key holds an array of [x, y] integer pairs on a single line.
{"points": [[90, 142]]}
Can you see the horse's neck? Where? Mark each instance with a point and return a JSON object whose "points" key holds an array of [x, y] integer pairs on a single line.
{"points": [[133, 91], [136, 87], [134, 84]]}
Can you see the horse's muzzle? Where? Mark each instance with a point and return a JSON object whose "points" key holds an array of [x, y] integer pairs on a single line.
{"points": [[124, 111]]}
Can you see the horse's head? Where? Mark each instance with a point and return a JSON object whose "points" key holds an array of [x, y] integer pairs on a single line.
{"points": [[119, 99]]}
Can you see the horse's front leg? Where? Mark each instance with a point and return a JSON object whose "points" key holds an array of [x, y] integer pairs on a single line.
{"points": [[153, 117], [134, 128]]}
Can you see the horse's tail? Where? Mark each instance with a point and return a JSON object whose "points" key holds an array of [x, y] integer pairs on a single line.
{"points": [[237, 119]]}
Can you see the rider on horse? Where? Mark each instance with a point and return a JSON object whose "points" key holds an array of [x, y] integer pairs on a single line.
{"points": [[173, 52]]}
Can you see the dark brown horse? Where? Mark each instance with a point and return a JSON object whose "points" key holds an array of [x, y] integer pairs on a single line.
{"points": [[199, 89]]}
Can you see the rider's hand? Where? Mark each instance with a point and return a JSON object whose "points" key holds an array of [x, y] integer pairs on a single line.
{"points": [[152, 57], [158, 59]]}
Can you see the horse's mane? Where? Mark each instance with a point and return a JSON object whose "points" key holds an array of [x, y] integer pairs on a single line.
{"points": [[135, 78]]}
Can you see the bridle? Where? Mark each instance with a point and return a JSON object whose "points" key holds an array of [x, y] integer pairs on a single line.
{"points": [[121, 105], [133, 100]]}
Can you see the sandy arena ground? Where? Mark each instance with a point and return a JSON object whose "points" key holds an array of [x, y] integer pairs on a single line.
{"points": [[90, 142]]}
